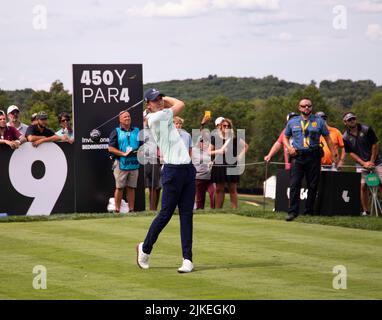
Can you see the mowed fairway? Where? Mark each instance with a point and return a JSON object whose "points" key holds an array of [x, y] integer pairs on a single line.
{"points": [[235, 257]]}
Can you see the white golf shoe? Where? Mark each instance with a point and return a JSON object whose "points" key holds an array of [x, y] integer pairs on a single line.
{"points": [[142, 258], [187, 266]]}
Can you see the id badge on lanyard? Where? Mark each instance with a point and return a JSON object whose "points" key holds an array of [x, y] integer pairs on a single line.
{"points": [[305, 133]]}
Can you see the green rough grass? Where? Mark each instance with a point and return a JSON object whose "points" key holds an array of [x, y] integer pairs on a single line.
{"points": [[245, 209], [236, 257]]}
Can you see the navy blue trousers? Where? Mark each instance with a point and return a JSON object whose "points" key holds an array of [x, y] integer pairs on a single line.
{"points": [[178, 183]]}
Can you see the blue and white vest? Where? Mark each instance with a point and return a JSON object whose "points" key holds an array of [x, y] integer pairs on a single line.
{"points": [[128, 139]]}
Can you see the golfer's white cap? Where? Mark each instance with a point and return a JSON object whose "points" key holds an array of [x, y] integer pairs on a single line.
{"points": [[218, 121]]}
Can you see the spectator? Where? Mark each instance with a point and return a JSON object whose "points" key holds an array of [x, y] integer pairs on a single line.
{"points": [[218, 122], [201, 161], [152, 166], [186, 137], [34, 118], [224, 144], [123, 144], [279, 144], [338, 143], [9, 135], [39, 133], [66, 128], [362, 144], [13, 113]]}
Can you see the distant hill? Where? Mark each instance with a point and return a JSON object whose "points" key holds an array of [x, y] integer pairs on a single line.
{"points": [[19, 97], [231, 87], [347, 92], [339, 93]]}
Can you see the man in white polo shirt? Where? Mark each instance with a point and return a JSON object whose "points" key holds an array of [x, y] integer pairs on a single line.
{"points": [[178, 178], [13, 114]]}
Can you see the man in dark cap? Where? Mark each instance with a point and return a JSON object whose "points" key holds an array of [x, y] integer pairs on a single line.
{"points": [[361, 143], [178, 178], [39, 133]]}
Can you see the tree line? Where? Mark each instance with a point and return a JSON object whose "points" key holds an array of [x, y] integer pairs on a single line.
{"points": [[259, 106]]}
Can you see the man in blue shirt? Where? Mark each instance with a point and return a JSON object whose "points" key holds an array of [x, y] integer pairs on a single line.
{"points": [[305, 153], [123, 144]]}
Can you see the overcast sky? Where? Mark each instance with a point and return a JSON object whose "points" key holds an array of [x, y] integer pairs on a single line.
{"points": [[295, 40]]}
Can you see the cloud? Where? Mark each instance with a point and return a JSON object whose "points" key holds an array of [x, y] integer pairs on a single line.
{"points": [[369, 6], [246, 4], [284, 36], [275, 18], [192, 8], [374, 32], [184, 8]]}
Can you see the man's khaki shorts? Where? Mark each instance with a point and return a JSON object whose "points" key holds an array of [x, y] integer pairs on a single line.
{"points": [[124, 178], [364, 173]]}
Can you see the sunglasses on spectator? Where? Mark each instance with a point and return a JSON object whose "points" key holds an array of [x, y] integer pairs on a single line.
{"points": [[65, 120], [226, 126], [350, 120], [306, 106]]}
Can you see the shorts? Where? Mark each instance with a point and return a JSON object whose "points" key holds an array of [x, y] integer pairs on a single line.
{"points": [[364, 173], [124, 178], [152, 175], [219, 175]]}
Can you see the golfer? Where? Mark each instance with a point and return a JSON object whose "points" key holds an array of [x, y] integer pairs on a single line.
{"points": [[178, 178]]}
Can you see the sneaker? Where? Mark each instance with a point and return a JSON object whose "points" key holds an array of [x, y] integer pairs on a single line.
{"points": [[142, 258], [291, 217], [187, 266], [365, 213]]}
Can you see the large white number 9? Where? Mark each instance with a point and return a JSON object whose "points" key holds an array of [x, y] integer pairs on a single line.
{"points": [[46, 190]]}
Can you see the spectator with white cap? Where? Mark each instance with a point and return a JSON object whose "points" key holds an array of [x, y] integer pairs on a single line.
{"points": [[13, 114], [9, 135], [218, 122]]}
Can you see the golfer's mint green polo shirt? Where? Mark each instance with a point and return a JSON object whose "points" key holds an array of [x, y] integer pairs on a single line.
{"points": [[167, 137]]}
